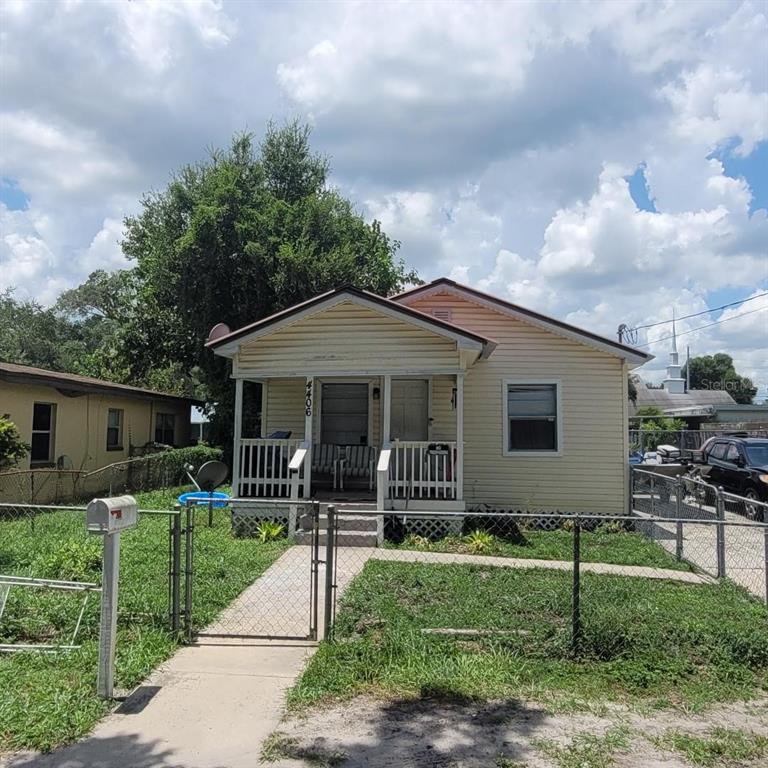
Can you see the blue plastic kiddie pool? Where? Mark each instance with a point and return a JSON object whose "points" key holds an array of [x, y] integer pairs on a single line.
{"points": [[203, 498]]}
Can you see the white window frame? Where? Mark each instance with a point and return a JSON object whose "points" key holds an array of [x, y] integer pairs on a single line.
{"points": [[544, 453]]}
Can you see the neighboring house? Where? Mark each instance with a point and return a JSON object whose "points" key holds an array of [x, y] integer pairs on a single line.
{"points": [[75, 422], [442, 397], [199, 426], [694, 406]]}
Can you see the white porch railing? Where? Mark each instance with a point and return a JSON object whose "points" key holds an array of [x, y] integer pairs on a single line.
{"points": [[265, 467], [422, 470]]}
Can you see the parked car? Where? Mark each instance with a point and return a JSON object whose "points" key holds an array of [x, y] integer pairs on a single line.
{"points": [[740, 466]]}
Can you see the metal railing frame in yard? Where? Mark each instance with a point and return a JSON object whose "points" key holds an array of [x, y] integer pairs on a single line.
{"points": [[35, 513], [6, 582], [577, 522]]}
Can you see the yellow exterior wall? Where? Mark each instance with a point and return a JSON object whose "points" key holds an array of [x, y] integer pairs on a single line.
{"points": [[81, 422], [590, 475], [346, 337], [285, 407], [442, 413]]}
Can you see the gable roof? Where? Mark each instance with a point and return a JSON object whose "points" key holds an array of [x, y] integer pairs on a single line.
{"points": [[227, 345], [603, 343], [72, 382]]}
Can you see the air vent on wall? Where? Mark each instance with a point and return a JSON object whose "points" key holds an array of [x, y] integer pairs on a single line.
{"points": [[442, 314]]}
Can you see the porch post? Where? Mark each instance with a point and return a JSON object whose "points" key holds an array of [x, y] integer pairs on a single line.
{"points": [[459, 436], [387, 417], [309, 404], [238, 430]]}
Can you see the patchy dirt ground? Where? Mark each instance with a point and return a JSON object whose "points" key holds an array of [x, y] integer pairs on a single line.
{"points": [[433, 734]]}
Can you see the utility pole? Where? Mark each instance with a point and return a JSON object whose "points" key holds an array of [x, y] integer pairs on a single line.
{"points": [[688, 368]]}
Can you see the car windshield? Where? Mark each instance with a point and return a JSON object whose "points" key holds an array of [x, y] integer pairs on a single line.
{"points": [[758, 455]]}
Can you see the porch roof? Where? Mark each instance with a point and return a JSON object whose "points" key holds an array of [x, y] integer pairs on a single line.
{"points": [[228, 344]]}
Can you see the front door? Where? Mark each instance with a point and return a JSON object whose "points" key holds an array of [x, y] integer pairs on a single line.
{"points": [[410, 409], [344, 414]]}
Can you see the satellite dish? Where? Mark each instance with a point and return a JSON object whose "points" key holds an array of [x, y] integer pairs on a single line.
{"points": [[218, 331], [211, 475]]}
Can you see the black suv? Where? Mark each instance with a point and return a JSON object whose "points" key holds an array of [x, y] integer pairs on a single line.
{"points": [[740, 466]]}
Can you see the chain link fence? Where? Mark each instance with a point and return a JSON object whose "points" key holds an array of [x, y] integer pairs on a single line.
{"points": [[643, 440], [50, 576], [271, 584], [712, 530], [550, 585], [145, 473]]}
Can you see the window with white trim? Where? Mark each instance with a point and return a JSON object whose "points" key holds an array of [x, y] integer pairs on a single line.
{"points": [[531, 417]]}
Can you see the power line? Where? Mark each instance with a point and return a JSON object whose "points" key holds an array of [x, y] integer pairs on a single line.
{"points": [[701, 327], [703, 312]]}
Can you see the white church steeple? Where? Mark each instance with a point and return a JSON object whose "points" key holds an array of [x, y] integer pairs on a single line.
{"points": [[674, 383]]}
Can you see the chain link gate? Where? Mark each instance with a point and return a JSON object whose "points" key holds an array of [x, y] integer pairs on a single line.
{"points": [[273, 578]]}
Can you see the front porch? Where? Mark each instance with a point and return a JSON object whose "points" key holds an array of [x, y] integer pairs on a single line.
{"points": [[386, 442]]}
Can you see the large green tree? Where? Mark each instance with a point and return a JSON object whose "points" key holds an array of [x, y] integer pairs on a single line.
{"points": [[717, 372], [31, 334], [248, 232]]}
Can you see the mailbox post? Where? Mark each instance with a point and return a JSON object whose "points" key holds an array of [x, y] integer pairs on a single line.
{"points": [[109, 517]]}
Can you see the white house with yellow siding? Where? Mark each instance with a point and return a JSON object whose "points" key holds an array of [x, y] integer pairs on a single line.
{"points": [[439, 398]]}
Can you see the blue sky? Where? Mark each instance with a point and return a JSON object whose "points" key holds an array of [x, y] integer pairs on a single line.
{"points": [[600, 162]]}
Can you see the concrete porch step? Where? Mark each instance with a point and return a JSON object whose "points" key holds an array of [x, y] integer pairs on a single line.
{"points": [[345, 522], [345, 538]]}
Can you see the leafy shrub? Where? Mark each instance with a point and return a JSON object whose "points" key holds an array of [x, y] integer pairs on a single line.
{"points": [[12, 448], [480, 542], [71, 560], [502, 526], [414, 541], [269, 530], [614, 526], [172, 463]]}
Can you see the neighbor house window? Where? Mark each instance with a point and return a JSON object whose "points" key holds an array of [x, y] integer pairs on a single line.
{"points": [[165, 427], [43, 427], [531, 417], [115, 429]]}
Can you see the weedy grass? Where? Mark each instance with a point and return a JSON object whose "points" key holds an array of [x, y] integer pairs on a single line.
{"points": [[587, 750], [605, 544], [651, 643], [279, 746], [50, 699], [720, 747]]}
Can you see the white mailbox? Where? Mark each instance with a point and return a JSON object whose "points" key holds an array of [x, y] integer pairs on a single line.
{"points": [[112, 515]]}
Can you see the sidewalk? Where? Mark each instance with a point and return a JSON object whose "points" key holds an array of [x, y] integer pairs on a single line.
{"points": [[213, 704]]}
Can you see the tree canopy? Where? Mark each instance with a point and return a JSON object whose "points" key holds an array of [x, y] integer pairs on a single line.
{"points": [[717, 372], [248, 231]]}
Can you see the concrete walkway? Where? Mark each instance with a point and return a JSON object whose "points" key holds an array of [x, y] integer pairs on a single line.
{"points": [[213, 704]]}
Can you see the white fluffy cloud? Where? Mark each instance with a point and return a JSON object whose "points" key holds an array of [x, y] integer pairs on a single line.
{"points": [[492, 139]]}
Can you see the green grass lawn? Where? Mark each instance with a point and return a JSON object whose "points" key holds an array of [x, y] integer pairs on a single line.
{"points": [[46, 700], [607, 544], [651, 643]]}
